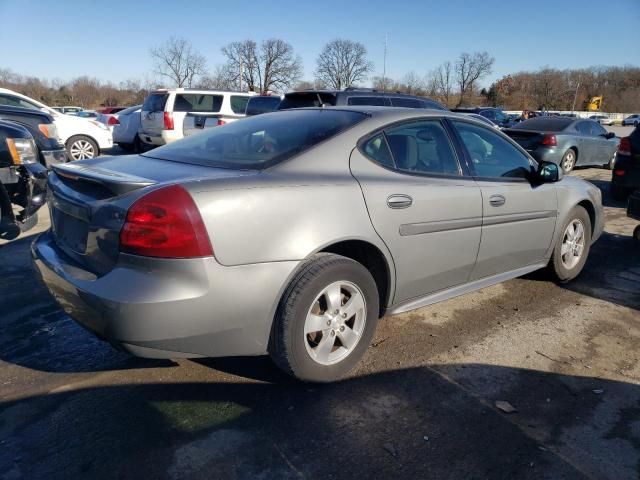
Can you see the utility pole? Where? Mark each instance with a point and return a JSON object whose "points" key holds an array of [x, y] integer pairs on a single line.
{"points": [[384, 64]]}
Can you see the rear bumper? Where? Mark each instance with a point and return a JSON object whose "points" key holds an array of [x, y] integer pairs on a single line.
{"points": [[626, 172], [168, 308], [547, 154], [162, 138]]}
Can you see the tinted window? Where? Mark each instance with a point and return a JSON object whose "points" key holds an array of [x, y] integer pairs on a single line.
{"points": [[155, 102], [239, 104], [377, 149], [12, 101], [374, 101], [261, 141], [422, 147], [597, 129], [307, 99], [197, 102], [583, 127], [258, 105], [492, 155], [544, 124], [433, 105], [406, 102]]}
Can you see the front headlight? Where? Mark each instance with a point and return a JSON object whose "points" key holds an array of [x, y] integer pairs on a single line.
{"points": [[98, 124], [49, 130], [22, 150]]}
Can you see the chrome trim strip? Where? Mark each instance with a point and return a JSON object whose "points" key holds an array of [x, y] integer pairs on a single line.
{"points": [[518, 217], [439, 226]]}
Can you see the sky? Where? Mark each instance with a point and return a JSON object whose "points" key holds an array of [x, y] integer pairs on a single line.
{"points": [[111, 39]]}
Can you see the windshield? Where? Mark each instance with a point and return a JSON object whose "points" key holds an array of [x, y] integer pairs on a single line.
{"points": [[261, 141]]}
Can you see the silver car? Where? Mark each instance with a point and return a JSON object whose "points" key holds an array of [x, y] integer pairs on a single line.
{"points": [[292, 233]]}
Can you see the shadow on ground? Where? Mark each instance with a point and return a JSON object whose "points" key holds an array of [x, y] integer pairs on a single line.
{"points": [[432, 422]]}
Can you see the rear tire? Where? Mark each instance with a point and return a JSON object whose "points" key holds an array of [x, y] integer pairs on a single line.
{"points": [[309, 340], [568, 160], [572, 248], [81, 147]]}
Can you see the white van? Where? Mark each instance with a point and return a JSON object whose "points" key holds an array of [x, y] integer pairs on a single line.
{"points": [[169, 115]]}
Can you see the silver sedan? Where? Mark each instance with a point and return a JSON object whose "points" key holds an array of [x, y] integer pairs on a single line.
{"points": [[292, 233]]}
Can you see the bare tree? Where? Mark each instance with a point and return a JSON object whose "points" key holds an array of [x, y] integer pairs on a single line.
{"points": [[177, 60], [413, 84], [470, 68], [343, 63], [272, 67], [220, 79], [442, 82]]}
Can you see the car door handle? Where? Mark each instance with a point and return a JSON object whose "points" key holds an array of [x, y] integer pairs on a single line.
{"points": [[497, 200], [399, 201]]}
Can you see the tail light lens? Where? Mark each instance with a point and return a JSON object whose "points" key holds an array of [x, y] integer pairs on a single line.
{"points": [[220, 122], [168, 121], [165, 223], [113, 121], [550, 140], [624, 147]]}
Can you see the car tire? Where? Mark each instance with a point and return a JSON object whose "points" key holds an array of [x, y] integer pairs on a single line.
{"points": [[339, 297], [619, 193], [81, 147], [568, 160], [572, 247]]}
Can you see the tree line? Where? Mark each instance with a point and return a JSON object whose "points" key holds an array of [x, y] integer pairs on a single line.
{"points": [[271, 65]]}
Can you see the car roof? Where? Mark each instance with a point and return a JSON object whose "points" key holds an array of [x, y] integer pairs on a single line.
{"points": [[25, 111], [200, 90], [395, 113]]}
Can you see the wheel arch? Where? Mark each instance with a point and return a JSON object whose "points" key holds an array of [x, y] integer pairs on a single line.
{"points": [[591, 210], [72, 137]]}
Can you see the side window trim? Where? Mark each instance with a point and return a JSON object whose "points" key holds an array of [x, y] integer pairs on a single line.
{"points": [[472, 170], [464, 173]]}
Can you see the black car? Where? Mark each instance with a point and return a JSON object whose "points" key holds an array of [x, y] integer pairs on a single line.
{"points": [[262, 104], [355, 96], [23, 180], [625, 175], [496, 115], [42, 129], [633, 211]]}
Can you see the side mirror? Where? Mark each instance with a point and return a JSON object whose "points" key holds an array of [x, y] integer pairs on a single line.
{"points": [[549, 172], [609, 135]]}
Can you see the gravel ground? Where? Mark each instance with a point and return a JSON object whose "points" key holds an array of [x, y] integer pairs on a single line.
{"points": [[421, 405]]}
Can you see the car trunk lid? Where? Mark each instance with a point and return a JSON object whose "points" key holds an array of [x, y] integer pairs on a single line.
{"points": [[527, 139], [152, 114]]}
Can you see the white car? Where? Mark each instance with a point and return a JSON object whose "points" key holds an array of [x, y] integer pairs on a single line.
{"points": [[169, 115], [602, 119], [124, 126], [83, 138], [632, 120]]}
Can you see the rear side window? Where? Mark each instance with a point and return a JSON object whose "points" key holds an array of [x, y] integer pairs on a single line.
{"points": [[374, 101], [406, 102], [239, 104], [307, 99], [378, 150], [197, 102], [155, 102], [259, 104]]}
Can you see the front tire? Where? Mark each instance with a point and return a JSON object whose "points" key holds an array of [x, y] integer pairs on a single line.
{"points": [[326, 319], [81, 147], [568, 160], [572, 248]]}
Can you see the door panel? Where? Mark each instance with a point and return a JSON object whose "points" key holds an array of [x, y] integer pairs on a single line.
{"points": [[517, 232], [431, 225]]}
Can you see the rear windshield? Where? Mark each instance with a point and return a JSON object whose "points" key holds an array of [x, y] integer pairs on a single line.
{"points": [[258, 105], [259, 142], [307, 99], [155, 102], [239, 104], [546, 124], [197, 102]]}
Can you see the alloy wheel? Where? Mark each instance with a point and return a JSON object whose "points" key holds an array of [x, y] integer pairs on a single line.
{"points": [[81, 149], [572, 244], [568, 161], [335, 322]]}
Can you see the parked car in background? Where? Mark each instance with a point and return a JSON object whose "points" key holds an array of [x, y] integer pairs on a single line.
{"points": [[566, 141], [87, 114], [625, 177], [496, 115], [111, 109], [602, 119], [169, 115], [321, 220], [44, 132], [125, 125], [354, 96], [631, 120], [482, 119], [262, 104], [23, 180], [68, 110], [83, 138]]}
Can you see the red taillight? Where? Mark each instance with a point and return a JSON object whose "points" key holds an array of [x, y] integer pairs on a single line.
{"points": [[220, 122], [624, 147], [619, 173], [165, 223], [550, 140], [113, 121], [168, 121]]}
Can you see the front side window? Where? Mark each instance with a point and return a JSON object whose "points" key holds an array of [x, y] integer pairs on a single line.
{"points": [[197, 102], [583, 128], [597, 129], [417, 147], [239, 104], [492, 155]]}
